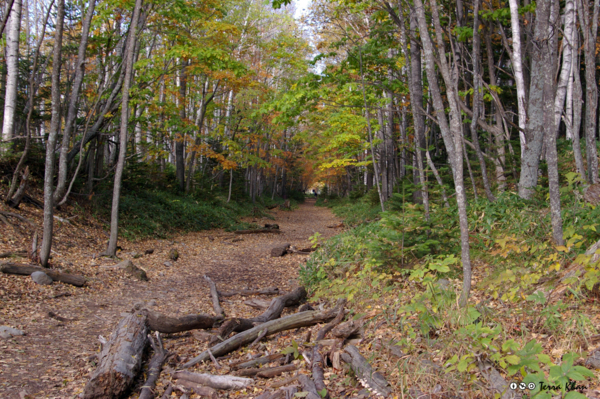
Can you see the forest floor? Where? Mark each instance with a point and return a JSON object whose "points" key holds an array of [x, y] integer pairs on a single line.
{"points": [[63, 323]]}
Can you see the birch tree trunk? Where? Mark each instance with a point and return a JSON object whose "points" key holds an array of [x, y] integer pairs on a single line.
{"points": [[517, 66], [567, 64], [12, 61], [114, 219], [33, 88], [52, 137]]}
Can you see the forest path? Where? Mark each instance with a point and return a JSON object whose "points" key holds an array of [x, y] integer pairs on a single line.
{"points": [[55, 358]]}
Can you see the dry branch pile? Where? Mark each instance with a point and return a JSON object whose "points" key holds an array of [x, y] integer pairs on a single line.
{"points": [[121, 358]]}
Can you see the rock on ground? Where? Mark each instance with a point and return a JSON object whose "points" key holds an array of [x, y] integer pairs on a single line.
{"points": [[280, 250], [132, 269], [7, 332], [41, 278]]}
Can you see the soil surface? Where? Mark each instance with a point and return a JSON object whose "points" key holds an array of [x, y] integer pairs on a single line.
{"points": [[63, 323]]}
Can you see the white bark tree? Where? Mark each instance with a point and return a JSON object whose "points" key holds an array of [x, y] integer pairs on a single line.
{"points": [[12, 62]]}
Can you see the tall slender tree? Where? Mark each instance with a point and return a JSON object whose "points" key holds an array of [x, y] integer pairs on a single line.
{"points": [[52, 138], [129, 60]]}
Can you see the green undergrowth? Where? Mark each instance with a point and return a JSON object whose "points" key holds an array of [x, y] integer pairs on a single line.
{"points": [[145, 213], [152, 206], [410, 269]]}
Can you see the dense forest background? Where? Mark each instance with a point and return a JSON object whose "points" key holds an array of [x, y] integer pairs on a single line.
{"points": [[447, 133]]}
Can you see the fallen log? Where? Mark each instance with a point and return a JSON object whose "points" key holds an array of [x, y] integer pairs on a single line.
{"points": [[204, 392], [270, 372], [19, 254], [256, 362], [154, 367], [317, 358], [273, 311], [230, 326], [247, 372], [287, 381], [120, 359], [257, 303], [278, 304], [264, 291], [214, 381], [372, 380], [215, 297], [29, 200], [283, 393], [333, 323], [295, 320], [26, 270], [168, 392], [348, 328], [170, 325], [59, 318], [308, 386], [258, 231], [17, 216]]}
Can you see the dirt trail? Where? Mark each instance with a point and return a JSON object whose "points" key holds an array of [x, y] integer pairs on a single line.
{"points": [[55, 358]]}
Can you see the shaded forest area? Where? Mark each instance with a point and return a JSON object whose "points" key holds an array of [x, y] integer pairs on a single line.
{"points": [[458, 140]]}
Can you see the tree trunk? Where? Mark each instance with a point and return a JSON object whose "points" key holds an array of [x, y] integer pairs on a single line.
{"points": [[517, 66], [477, 101], [451, 132], [180, 142], [590, 31], [114, 220], [415, 85], [73, 104], [498, 133], [33, 88], [576, 119], [12, 61], [541, 66], [52, 137], [370, 130]]}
